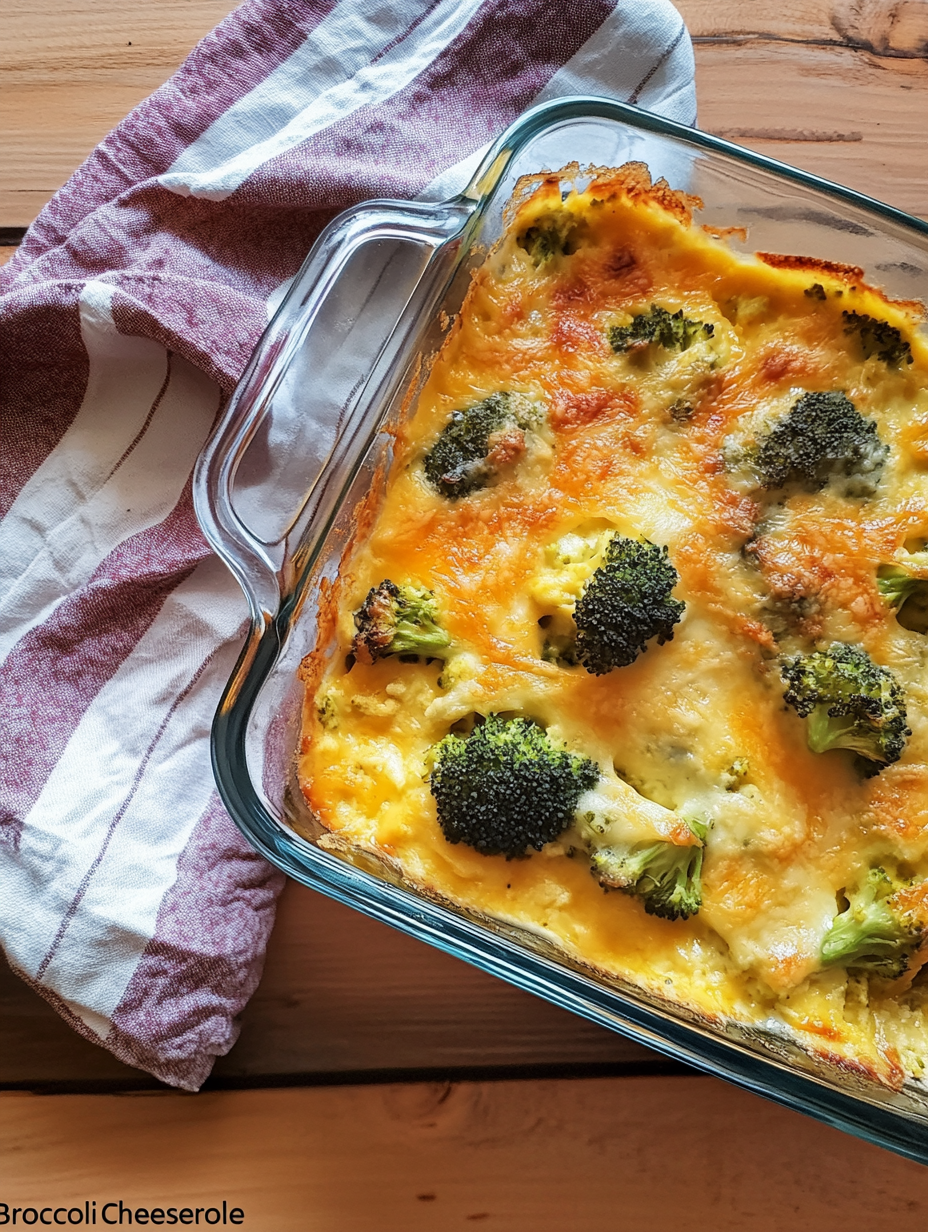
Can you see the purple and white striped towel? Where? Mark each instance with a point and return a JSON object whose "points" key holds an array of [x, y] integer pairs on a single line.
{"points": [[127, 897]]}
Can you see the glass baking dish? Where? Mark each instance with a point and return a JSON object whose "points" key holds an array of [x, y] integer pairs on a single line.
{"points": [[302, 450]]}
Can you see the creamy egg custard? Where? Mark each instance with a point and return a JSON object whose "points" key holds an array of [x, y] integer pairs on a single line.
{"points": [[634, 653]]}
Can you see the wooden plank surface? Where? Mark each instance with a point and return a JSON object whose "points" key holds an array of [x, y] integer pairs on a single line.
{"points": [[340, 994], [835, 86], [838, 87], [69, 71], [681, 1155], [843, 114]]}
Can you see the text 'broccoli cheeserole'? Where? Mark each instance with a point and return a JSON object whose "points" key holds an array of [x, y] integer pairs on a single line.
{"points": [[634, 653]]}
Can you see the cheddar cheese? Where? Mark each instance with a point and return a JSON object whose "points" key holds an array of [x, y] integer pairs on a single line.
{"points": [[633, 652]]}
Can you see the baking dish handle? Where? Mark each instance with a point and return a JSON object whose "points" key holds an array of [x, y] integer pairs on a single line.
{"points": [[437, 233]]}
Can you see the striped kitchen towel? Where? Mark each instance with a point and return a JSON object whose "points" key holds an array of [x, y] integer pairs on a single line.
{"points": [[127, 897]]}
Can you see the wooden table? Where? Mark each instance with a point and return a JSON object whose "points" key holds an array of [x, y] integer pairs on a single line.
{"points": [[394, 1087]]}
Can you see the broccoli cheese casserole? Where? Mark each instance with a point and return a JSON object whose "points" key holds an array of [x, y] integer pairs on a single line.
{"points": [[632, 651]]}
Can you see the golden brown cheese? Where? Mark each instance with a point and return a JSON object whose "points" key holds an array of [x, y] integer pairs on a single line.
{"points": [[646, 446]]}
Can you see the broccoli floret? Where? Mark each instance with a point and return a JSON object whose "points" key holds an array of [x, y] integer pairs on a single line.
{"points": [[735, 774], [880, 931], [850, 702], [477, 443], [398, 620], [672, 331], [553, 235], [906, 595], [611, 595], [626, 604], [506, 788], [878, 338], [823, 437], [667, 878]]}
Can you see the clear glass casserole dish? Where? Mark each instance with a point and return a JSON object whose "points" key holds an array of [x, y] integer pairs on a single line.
{"points": [[303, 449]]}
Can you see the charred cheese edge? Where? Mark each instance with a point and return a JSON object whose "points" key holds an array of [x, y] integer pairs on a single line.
{"points": [[641, 441]]}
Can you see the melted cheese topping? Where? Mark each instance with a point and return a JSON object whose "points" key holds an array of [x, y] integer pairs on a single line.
{"points": [[642, 441]]}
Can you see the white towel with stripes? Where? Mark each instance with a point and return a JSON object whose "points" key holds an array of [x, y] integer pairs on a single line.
{"points": [[127, 897]]}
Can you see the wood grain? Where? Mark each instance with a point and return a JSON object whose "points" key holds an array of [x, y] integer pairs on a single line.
{"points": [[70, 70], [838, 87], [835, 86], [829, 110], [887, 28], [334, 979], [689, 1154], [340, 993]]}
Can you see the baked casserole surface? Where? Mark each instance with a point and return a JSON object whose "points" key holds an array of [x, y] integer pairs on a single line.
{"points": [[632, 651]]}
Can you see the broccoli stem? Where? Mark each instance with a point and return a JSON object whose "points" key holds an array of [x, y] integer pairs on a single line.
{"points": [[825, 731], [896, 584], [906, 595], [866, 938], [870, 935], [666, 878], [425, 637]]}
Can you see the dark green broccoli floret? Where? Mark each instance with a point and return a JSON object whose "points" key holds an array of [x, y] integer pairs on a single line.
{"points": [[672, 331], [476, 443], [881, 930], [506, 788], [625, 604], [398, 620], [665, 877], [850, 702], [823, 437], [878, 338], [552, 235], [906, 594]]}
